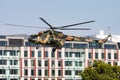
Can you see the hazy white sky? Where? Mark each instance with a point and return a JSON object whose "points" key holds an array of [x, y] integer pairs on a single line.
{"points": [[106, 13]]}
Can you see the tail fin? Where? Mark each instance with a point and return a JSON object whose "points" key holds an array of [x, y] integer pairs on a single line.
{"points": [[104, 40]]}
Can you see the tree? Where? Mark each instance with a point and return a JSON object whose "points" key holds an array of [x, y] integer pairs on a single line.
{"points": [[101, 71]]}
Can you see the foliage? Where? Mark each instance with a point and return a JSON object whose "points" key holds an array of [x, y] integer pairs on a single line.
{"points": [[101, 71]]}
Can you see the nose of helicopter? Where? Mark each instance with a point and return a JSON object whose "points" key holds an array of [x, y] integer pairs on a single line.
{"points": [[32, 38]]}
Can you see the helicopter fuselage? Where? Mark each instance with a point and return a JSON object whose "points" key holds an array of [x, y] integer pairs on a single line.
{"points": [[57, 39], [48, 38]]}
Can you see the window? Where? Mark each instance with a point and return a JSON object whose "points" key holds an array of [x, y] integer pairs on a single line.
{"points": [[25, 62], [33, 54], [109, 55], [78, 54], [5, 52], [13, 62], [3, 62], [102, 55], [14, 71], [39, 62], [76, 63], [39, 72], [13, 53], [46, 72], [3, 78], [25, 71], [68, 63], [0, 52], [32, 62], [16, 42], [67, 72], [96, 55], [3, 43], [59, 72], [89, 55], [59, 55], [53, 63], [30, 44], [115, 56], [66, 54], [67, 45], [2, 71], [46, 62], [77, 72], [59, 63], [46, 53], [25, 54], [39, 53], [13, 79], [32, 72], [110, 46], [2, 37], [76, 45], [80, 63], [53, 54], [53, 72], [70, 54], [94, 45]]}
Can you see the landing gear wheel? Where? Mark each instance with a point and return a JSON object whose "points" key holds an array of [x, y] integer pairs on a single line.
{"points": [[54, 49], [37, 47]]}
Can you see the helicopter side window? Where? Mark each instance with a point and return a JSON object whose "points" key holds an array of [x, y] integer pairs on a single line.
{"points": [[43, 36]]}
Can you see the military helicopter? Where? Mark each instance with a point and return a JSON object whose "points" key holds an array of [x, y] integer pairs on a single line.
{"points": [[56, 39]]}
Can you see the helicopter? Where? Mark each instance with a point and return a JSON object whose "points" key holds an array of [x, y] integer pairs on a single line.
{"points": [[56, 39]]}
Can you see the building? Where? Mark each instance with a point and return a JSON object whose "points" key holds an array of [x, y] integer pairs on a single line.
{"points": [[20, 60], [9, 63]]}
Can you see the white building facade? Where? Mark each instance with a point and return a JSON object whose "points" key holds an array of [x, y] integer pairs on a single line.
{"points": [[9, 63], [20, 60]]}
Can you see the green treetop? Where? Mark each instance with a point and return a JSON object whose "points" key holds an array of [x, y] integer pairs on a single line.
{"points": [[101, 71]]}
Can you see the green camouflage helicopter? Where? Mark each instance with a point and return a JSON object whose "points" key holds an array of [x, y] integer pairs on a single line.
{"points": [[56, 39]]}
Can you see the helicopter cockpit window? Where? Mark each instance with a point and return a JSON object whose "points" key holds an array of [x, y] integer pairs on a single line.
{"points": [[43, 36]]}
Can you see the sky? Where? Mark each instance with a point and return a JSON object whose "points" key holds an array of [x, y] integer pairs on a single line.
{"points": [[106, 14]]}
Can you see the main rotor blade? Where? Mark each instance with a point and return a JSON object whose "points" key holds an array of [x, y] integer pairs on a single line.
{"points": [[75, 29], [76, 24], [23, 26], [46, 23]]}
